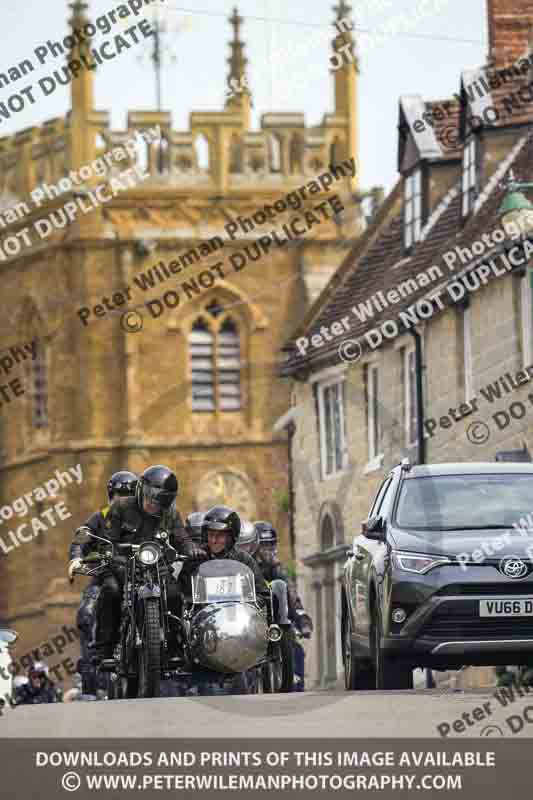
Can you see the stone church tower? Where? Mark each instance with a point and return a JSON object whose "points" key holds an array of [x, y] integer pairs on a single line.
{"points": [[196, 388]]}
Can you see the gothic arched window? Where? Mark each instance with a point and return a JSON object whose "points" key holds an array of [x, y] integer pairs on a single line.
{"points": [[143, 155], [201, 148], [40, 386], [163, 160], [296, 154], [336, 151], [327, 534], [214, 351], [274, 146], [235, 162]]}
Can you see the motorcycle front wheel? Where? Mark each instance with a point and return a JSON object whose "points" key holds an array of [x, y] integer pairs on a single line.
{"points": [[150, 652], [129, 678]]}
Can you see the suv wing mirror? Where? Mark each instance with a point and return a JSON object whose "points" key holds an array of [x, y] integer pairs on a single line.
{"points": [[374, 528]]}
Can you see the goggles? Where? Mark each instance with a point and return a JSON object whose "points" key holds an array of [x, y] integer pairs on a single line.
{"points": [[158, 497], [123, 488]]}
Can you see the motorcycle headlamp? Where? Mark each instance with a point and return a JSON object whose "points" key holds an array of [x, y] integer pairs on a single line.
{"points": [[148, 554], [418, 562]]}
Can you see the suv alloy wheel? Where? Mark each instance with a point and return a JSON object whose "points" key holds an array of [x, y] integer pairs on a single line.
{"points": [[358, 674]]}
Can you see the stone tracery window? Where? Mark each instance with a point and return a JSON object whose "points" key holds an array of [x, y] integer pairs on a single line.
{"points": [[214, 353]]}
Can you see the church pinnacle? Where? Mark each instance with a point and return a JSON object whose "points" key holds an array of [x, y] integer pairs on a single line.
{"points": [[344, 39], [82, 91], [237, 81]]}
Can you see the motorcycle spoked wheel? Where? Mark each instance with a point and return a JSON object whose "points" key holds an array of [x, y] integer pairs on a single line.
{"points": [[128, 685], [271, 677], [278, 674], [149, 655], [113, 688]]}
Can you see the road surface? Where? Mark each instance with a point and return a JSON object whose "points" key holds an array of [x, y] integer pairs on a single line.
{"points": [[416, 713]]}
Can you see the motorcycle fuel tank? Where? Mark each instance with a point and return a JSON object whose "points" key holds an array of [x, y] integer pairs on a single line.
{"points": [[230, 637]]}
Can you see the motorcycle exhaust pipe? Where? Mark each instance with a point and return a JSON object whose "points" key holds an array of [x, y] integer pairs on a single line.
{"points": [[275, 633]]}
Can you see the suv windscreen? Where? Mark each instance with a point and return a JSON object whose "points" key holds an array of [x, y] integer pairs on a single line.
{"points": [[455, 502]]}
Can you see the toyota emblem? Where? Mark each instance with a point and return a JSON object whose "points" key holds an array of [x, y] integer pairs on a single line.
{"points": [[513, 567]]}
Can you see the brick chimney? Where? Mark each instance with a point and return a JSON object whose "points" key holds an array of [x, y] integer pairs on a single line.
{"points": [[510, 30]]}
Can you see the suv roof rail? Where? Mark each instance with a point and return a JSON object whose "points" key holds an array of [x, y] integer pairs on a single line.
{"points": [[405, 464]]}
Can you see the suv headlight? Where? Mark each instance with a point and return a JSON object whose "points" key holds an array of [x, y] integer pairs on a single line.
{"points": [[418, 562], [148, 554]]}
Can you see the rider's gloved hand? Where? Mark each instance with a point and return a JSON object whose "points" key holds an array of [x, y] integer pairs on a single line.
{"points": [[73, 566], [196, 552]]}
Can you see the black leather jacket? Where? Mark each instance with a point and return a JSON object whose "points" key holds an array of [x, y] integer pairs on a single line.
{"points": [[272, 570], [126, 524], [96, 523], [27, 695]]}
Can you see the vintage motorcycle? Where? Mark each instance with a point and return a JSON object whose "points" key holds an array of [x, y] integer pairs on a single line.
{"points": [[221, 633], [141, 658]]}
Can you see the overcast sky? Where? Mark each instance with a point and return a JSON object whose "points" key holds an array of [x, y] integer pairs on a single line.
{"points": [[288, 48]]}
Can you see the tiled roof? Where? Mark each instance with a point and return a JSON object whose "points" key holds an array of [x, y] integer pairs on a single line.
{"points": [[343, 272], [375, 270]]}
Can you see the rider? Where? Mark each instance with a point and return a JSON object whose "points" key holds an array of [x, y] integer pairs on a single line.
{"points": [[120, 485], [136, 520], [220, 530], [39, 688], [266, 555], [193, 525]]}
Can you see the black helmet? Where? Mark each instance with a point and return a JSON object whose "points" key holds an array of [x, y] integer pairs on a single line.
{"points": [[38, 669], [247, 540], [267, 541], [266, 533], [222, 518], [123, 483], [158, 487], [193, 525]]}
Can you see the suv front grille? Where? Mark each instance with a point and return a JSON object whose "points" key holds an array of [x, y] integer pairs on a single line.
{"points": [[454, 621], [487, 589], [476, 628]]}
